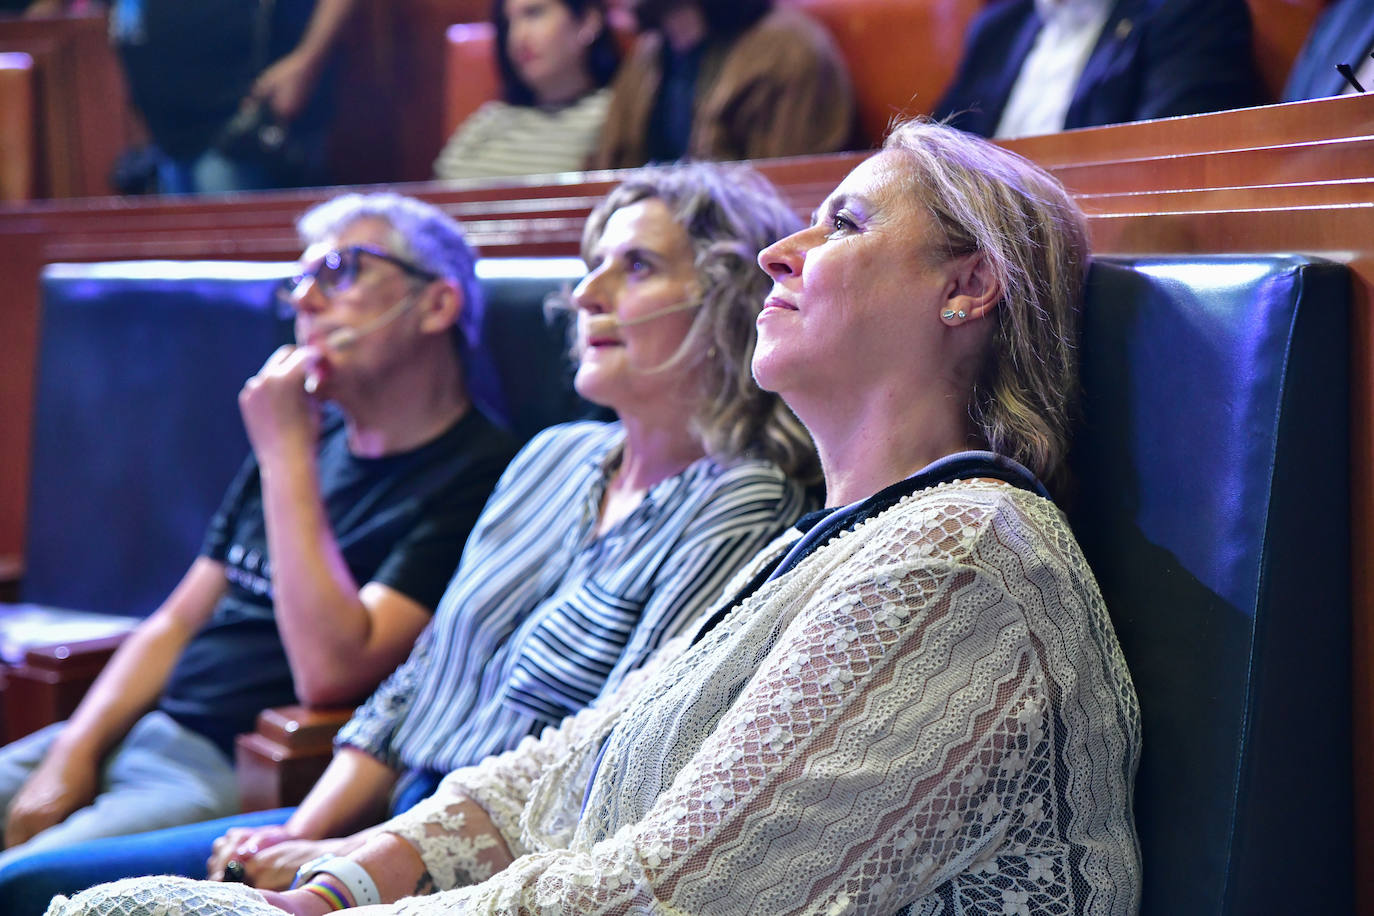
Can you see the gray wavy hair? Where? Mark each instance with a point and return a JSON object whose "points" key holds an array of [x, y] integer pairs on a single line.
{"points": [[422, 234], [988, 199], [730, 213]]}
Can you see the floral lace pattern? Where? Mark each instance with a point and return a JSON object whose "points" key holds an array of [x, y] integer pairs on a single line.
{"points": [[929, 712], [164, 896]]}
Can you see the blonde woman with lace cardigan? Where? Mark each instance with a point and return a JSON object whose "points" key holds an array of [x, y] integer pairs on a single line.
{"points": [[918, 702]]}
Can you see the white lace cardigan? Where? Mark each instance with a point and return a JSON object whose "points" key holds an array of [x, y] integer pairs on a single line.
{"points": [[931, 712]]}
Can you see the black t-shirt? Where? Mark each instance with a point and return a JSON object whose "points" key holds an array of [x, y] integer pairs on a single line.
{"points": [[400, 521]]}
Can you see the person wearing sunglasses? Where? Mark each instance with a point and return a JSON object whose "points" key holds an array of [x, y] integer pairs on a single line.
{"points": [[328, 554]]}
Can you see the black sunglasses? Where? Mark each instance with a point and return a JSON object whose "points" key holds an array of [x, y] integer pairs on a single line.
{"points": [[337, 271]]}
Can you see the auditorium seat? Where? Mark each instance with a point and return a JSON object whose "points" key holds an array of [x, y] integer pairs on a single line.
{"points": [[1214, 507], [1213, 503]]}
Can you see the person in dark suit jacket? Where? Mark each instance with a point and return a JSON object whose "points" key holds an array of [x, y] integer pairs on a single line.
{"points": [[1152, 59], [1343, 35]]}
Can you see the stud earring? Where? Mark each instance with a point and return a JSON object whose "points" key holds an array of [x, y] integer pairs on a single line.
{"points": [[947, 314], [961, 314]]}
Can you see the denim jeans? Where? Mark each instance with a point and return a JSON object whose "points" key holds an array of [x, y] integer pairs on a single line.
{"points": [[28, 884], [160, 775], [211, 173]]}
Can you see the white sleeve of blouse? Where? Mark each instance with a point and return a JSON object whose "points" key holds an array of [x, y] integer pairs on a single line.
{"points": [[502, 784], [893, 736]]}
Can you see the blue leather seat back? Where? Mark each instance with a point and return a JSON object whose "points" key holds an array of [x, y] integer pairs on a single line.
{"points": [[136, 425], [526, 380], [1213, 503]]}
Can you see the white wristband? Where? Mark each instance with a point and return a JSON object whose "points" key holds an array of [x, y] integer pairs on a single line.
{"points": [[355, 878]]}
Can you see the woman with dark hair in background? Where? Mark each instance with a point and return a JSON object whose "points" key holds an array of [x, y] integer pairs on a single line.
{"points": [[555, 58]]}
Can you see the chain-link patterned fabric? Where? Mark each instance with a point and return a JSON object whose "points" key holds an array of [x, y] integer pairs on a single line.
{"points": [[930, 714], [931, 711], [164, 896]]}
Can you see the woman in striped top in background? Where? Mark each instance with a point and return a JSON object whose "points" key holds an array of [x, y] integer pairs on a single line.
{"points": [[601, 541], [556, 59]]}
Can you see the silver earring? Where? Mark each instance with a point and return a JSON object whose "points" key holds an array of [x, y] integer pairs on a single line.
{"points": [[947, 314], [961, 314]]}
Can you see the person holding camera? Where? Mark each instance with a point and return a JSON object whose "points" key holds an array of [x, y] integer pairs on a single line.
{"points": [[232, 93]]}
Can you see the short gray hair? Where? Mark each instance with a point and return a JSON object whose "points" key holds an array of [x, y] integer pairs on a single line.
{"points": [[730, 213], [422, 234], [987, 199]]}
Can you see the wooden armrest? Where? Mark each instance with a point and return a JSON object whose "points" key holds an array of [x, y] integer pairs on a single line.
{"points": [[279, 762], [47, 686]]}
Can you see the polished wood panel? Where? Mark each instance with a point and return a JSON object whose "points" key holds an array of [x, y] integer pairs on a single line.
{"points": [[1248, 197], [18, 128], [1318, 160], [20, 261], [1244, 128], [280, 760], [50, 682], [82, 120]]}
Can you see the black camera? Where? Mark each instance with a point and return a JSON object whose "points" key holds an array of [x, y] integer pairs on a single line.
{"points": [[255, 135]]}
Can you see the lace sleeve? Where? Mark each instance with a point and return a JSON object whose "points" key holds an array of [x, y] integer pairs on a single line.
{"points": [[502, 784], [895, 734]]}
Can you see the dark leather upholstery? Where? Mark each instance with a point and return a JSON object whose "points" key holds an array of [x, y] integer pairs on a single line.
{"points": [[527, 344], [137, 431], [136, 427], [1213, 504]]}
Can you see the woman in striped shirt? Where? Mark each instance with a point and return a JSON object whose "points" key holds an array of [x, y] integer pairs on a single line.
{"points": [[601, 540], [555, 59]]}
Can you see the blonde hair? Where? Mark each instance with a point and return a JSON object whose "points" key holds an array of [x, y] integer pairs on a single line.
{"points": [[988, 199], [730, 213]]}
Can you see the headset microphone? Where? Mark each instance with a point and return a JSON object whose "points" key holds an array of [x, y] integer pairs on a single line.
{"points": [[654, 316], [346, 337]]}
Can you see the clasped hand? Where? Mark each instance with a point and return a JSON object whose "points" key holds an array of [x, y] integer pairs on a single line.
{"points": [[280, 418], [270, 856]]}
